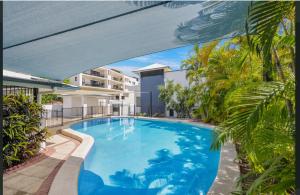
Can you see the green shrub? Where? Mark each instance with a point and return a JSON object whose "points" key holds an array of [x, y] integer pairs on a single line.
{"points": [[50, 98], [22, 134]]}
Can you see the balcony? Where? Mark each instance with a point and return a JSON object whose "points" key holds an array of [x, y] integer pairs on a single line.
{"points": [[95, 73], [117, 87], [117, 79], [94, 84]]}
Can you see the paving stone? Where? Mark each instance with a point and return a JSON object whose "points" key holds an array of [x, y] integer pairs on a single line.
{"points": [[8, 176], [29, 180], [65, 148], [9, 191], [58, 156], [24, 183], [37, 171], [49, 162]]}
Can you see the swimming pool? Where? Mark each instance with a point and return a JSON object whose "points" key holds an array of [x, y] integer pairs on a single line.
{"points": [[139, 156]]}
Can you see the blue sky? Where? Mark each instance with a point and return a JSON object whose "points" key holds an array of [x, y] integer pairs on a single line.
{"points": [[171, 57]]}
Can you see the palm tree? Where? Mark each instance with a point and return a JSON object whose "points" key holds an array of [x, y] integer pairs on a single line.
{"points": [[264, 19], [261, 117]]}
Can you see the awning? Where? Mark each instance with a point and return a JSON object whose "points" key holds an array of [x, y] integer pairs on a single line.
{"points": [[23, 80], [56, 40]]}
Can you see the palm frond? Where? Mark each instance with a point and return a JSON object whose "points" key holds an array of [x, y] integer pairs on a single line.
{"points": [[247, 110]]}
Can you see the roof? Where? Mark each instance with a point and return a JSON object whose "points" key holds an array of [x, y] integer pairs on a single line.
{"points": [[21, 79], [69, 37], [151, 67]]}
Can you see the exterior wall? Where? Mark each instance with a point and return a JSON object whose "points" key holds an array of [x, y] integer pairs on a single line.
{"points": [[178, 77], [104, 78], [135, 91], [149, 82], [67, 101], [76, 80], [92, 101]]}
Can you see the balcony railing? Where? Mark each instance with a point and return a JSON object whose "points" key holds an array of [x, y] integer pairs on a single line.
{"points": [[102, 85], [117, 87], [95, 73], [117, 79]]}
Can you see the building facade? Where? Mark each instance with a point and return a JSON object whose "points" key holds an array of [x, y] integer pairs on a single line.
{"points": [[104, 78], [102, 87], [153, 76]]}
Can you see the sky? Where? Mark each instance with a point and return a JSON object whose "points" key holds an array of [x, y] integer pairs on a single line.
{"points": [[171, 57]]}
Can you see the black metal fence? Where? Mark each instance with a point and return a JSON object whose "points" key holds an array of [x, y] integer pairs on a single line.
{"points": [[60, 116]]}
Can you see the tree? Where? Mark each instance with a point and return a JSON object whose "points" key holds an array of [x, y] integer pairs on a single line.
{"points": [[177, 98], [247, 87], [260, 116], [50, 98]]}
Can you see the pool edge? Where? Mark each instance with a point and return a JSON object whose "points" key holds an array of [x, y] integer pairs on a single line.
{"points": [[228, 171], [66, 180]]}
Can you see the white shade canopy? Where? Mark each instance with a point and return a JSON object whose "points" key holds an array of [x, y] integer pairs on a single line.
{"points": [[56, 40]]}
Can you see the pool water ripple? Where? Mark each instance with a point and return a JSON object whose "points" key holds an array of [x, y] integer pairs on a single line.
{"points": [[139, 156]]}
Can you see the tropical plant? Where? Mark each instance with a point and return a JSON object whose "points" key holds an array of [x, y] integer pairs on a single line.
{"points": [[246, 85], [177, 98], [259, 121], [264, 19], [22, 133], [261, 115], [50, 98], [229, 65]]}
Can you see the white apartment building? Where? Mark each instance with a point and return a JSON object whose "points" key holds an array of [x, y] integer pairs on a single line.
{"points": [[102, 86], [105, 78]]}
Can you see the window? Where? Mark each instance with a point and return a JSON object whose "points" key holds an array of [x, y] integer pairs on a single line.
{"points": [[75, 78], [115, 108], [123, 97]]}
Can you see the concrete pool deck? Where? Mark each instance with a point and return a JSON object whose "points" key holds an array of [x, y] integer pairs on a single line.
{"points": [[228, 172], [36, 176]]}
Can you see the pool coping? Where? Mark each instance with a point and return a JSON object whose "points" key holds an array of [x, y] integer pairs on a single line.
{"points": [[66, 180]]}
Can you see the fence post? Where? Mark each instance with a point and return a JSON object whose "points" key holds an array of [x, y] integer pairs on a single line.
{"points": [[122, 113], [102, 111], [56, 115], [62, 116], [92, 112], [82, 112], [133, 109]]}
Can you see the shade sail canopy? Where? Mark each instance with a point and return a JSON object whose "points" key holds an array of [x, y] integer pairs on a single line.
{"points": [[56, 40]]}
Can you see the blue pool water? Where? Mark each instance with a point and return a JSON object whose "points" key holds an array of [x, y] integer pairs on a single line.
{"points": [[137, 156]]}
